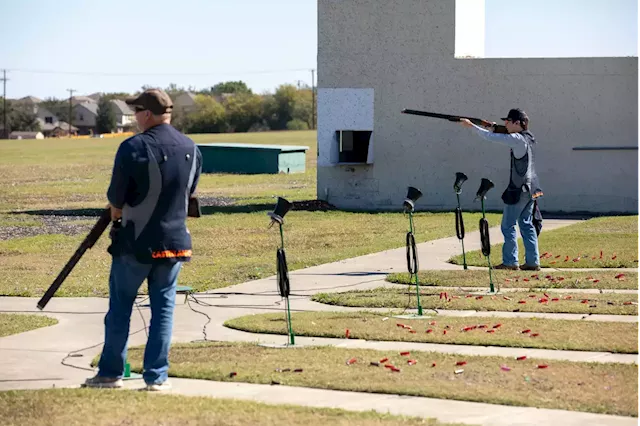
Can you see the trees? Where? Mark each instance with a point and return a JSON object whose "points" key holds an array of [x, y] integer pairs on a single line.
{"points": [[20, 117], [106, 119], [236, 87], [209, 117]]}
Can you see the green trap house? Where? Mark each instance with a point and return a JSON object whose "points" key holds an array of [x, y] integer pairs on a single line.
{"points": [[252, 158]]}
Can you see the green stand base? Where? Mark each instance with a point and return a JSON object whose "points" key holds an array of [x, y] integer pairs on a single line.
{"points": [[414, 316], [277, 346], [128, 375]]}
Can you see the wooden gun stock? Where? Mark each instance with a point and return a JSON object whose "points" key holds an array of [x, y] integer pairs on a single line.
{"points": [[477, 121], [93, 236]]}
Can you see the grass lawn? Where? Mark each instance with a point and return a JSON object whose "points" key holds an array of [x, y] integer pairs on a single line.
{"points": [[593, 387], [103, 407], [381, 297], [606, 242], [616, 337], [232, 243], [522, 279], [18, 323]]}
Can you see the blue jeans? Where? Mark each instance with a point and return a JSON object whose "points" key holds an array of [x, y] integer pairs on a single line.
{"points": [[522, 213], [127, 275]]}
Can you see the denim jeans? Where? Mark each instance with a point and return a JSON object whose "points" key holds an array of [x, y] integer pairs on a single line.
{"points": [[127, 275], [522, 213]]}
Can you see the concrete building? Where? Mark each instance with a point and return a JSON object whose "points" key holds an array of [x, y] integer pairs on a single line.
{"points": [[376, 58]]}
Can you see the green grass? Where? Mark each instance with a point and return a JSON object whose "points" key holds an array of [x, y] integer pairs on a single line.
{"points": [[231, 244], [381, 297], [522, 279], [18, 323], [615, 237], [62, 407], [593, 387], [617, 337]]}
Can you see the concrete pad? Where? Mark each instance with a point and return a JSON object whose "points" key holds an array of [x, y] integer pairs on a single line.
{"points": [[442, 409]]}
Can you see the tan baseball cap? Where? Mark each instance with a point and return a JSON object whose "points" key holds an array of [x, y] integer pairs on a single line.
{"points": [[154, 100]]}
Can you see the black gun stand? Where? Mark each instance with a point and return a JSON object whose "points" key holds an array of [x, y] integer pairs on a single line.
{"points": [[486, 244], [283, 283], [412, 259], [460, 228]]}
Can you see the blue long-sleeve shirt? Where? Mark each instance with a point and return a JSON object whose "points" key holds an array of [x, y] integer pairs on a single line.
{"points": [[515, 141]]}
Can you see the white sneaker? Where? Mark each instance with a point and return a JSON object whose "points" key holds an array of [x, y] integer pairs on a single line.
{"points": [[158, 387], [103, 382]]}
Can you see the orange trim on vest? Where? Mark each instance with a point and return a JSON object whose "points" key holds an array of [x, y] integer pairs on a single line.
{"points": [[170, 253]]}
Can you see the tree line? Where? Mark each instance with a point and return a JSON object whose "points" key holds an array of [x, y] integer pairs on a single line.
{"points": [[226, 107]]}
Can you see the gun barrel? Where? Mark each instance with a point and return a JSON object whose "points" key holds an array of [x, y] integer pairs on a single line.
{"points": [[476, 121], [87, 243]]}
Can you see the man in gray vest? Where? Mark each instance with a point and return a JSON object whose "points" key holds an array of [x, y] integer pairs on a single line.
{"points": [[155, 173], [521, 193]]}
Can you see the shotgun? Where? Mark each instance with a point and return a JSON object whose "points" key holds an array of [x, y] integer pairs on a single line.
{"points": [[477, 121], [93, 236]]}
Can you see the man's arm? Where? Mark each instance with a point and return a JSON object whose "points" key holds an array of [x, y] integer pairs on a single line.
{"points": [[515, 141], [119, 182], [196, 177]]}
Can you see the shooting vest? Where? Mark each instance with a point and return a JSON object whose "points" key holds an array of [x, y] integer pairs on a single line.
{"points": [[523, 177], [154, 225]]}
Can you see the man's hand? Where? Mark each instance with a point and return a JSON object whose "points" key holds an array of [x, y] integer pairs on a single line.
{"points": [[115, 213], [465, 122]]}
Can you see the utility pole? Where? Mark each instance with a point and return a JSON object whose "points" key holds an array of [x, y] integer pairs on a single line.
{"points": [[313, 100], [5, 132], [70, 109]]}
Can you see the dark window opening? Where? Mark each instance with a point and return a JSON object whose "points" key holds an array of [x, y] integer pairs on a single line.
{"points": [[353, 145], [48, 120]]}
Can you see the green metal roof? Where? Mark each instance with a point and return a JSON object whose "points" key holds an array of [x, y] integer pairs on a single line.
{"points": [[255, 146]]}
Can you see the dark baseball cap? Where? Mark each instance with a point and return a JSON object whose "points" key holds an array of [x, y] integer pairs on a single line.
{"points": [[155, 100], [517, 114]]}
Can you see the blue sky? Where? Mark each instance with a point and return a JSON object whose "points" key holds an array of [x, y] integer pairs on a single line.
{"points": [[264, 43]]}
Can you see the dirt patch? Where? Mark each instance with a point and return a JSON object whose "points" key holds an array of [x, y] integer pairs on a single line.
{"points": [[313, 206], [65, 225]]}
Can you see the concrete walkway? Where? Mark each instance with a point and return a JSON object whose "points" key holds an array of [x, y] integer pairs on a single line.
{"points": [[33, 359]]}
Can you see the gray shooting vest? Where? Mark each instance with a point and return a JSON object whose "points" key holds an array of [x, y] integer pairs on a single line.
{"points": [[523, 177]]}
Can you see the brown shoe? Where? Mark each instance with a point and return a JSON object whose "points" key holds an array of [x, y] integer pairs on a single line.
{"points": [[530, 268], [509, 267]]}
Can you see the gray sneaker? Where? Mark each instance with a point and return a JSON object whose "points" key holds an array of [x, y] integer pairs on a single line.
{"points": [[159, 387], [103, 382]]}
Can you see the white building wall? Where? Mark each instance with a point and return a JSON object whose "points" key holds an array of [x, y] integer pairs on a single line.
{"points": [[402, 51]]}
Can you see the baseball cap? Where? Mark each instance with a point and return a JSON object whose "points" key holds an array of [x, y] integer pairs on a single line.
{"points": [[517, 114], [155, 100]]}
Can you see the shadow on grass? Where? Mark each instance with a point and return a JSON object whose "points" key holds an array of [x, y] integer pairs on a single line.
{"points": [[63, 212]]}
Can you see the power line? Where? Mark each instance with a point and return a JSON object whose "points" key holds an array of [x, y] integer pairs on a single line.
{"points": [[70, 110], [115, 74], [5, 132]]}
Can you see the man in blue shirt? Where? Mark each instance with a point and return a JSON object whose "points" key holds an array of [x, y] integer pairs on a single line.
{"points": [[522, 191], [154, 175]]}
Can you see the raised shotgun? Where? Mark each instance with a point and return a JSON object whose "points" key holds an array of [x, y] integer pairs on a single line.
{"points": [[477, 121], [93, 236]]}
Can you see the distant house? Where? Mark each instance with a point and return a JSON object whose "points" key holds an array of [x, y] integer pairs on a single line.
{"points": [[47, 120], [75, 100], [84, 117], [28, 100], [186, 102], [26, 135], [95, 96], [125, 117], [62, 130]]}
